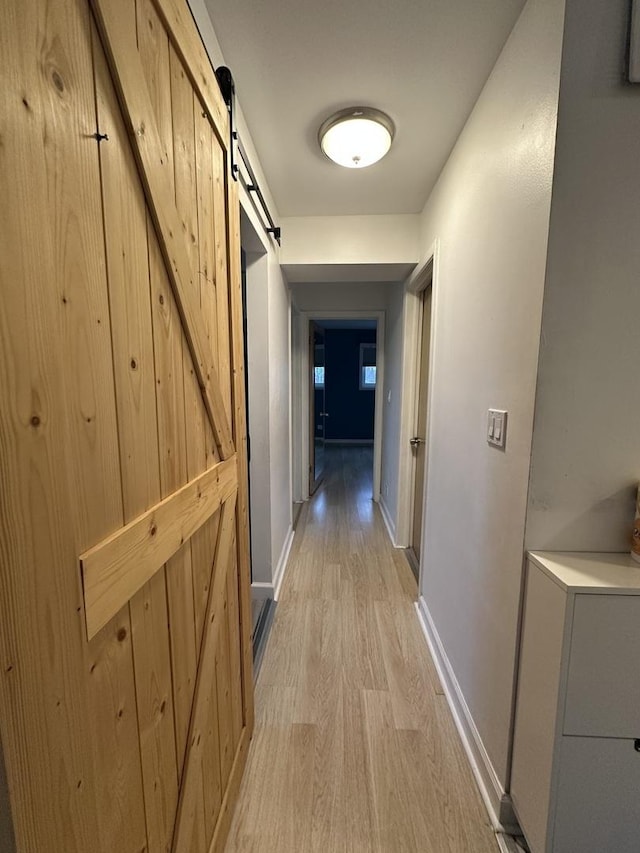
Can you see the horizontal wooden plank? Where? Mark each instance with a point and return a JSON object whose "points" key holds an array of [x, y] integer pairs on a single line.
{"points": [[156, 173], [186, 40], [115, 569]]}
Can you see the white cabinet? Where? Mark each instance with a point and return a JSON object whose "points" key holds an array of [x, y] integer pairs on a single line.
{"points": [[575, 781]]}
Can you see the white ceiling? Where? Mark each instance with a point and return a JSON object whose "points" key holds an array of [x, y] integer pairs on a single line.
{"points": [[295, 62]]}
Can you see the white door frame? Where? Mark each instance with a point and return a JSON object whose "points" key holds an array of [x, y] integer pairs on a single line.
{"points": [[303, 392], [425, 276]]}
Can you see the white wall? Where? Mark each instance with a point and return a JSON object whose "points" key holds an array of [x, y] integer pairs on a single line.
{"points": [[350, 239], [391, 421], [259, 422], [279, 412], [268, 370], [586, 459], [369, 296], [490, 214]]}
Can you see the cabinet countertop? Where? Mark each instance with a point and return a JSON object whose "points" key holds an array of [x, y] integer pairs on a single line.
{"points": [[590, 572]]}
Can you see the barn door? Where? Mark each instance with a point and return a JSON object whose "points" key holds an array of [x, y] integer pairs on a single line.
{"points": [[126, 703]]}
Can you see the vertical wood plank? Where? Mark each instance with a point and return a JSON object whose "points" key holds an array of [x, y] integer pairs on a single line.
{"points": [[203, 548], [183, 653], [223, 682], [153, 46], [207, 655], [220, 215], [115, 738], [44, 711], [156, 725], [132, 336], [93, 462], [203, 544], [186, 38], [183, 123], [184, 161], [205, 141], [168, 354], [130, 307], [168, 348], [235, 666], [91, 448]]}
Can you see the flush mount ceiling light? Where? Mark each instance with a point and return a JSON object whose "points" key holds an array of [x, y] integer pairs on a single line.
{"points": [[356, 137]]}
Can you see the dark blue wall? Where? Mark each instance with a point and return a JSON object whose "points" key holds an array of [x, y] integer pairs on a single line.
{"points": [[351, 411]]}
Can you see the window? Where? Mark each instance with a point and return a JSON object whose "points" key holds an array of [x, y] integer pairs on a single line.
{"points": [[318, 367], [367, 367]]}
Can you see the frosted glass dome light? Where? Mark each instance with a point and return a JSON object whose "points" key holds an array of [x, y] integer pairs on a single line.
{"points": [[356, 137]]}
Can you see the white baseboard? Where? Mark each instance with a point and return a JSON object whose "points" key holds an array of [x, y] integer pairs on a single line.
{"points": [[262, 590], [386, 517], [278, 575], [496, 800]]}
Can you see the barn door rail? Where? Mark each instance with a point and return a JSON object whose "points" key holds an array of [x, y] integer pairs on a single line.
{"points": [[239, 158]]}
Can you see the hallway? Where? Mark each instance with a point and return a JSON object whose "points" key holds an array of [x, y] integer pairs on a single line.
{"points": [[354, 747]]}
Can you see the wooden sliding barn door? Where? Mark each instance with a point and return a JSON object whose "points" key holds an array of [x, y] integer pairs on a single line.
{"points": [[125, 657]]}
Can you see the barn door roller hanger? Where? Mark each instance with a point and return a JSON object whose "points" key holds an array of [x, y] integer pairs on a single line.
{"points": [[239, 158]]}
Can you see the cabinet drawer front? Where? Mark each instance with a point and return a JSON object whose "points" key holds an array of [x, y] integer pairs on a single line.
{"points": [[598, 802], [603, 686]]}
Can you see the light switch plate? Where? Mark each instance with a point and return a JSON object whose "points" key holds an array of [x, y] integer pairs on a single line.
{"points": [[497, 428]]}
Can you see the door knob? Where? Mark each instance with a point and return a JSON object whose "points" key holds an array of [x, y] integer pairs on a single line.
{"points": [[415, 441]]}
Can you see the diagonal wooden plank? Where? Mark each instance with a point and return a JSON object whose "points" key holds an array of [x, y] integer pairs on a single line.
{"points": [[189, 46], [115, 569], [191, 774], [155, 172]]}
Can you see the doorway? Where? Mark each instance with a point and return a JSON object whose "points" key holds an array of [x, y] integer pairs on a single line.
{"points": [[308, 439], [418, 440], [317, 399]]}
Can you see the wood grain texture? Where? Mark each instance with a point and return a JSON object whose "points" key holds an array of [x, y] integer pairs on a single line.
{"points": [[187, 42], [224, 246], [125, 232], [92, 453], [354, 746], [44, 707], [153, 47], [206, 668], [126, 68], [115, 569], [156, 725], [205, 142], [110, 408], [184, 167], [132, 334]]}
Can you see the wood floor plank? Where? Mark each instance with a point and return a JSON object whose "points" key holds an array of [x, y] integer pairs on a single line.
{"points": [[410, 673], [354, 750], [393, 818]]}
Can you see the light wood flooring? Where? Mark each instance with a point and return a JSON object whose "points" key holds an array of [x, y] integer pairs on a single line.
{"points": [[354, 746]]}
